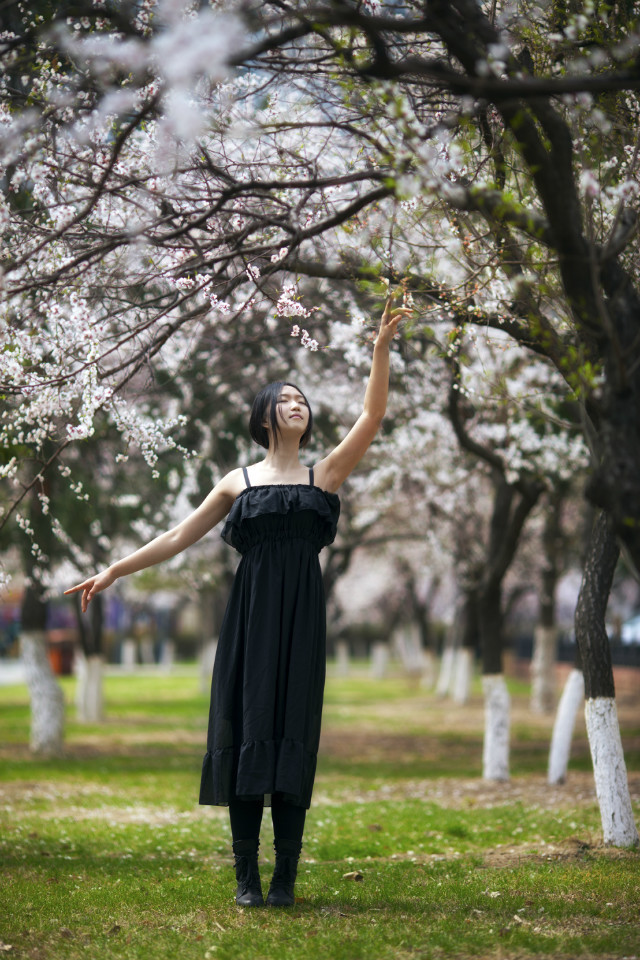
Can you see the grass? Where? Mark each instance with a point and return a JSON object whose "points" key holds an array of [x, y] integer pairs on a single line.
{"points": [[106, 853]]}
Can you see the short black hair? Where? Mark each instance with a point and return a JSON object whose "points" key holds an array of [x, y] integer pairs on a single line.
{"points": [[265, 407]]}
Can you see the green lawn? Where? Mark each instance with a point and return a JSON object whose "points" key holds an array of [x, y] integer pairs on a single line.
{"points": [[105, 852]]}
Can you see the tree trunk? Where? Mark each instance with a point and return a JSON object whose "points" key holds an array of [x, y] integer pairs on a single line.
{"points": [[89, 662], [570, 701], [462, 675], [428, 678], [463, 630], [379, 659], [129, 653], [445, 676], [609, 770], [615, 485], [495, 755], [490, 627], [545, 649], [89, 672], [47, 700], [408, 642], [468, 639], [167, 654], [146, 650], [512, 504], [543, 662], [591, 635], [45, 693]]}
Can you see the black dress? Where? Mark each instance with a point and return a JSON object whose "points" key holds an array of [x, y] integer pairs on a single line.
{"points": [[268, 677]]}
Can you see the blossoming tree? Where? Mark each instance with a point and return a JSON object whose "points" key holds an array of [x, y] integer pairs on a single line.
{"points": [[166, 169]]}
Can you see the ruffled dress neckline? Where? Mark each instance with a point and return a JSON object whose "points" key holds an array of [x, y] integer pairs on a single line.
{"points": [[274, 511], [266, 486]]}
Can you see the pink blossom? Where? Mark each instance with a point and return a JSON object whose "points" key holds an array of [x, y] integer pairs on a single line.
{"points": [[589, 184]]}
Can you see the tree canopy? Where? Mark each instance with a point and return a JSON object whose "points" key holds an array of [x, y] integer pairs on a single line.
{"points": [[189, 191]]}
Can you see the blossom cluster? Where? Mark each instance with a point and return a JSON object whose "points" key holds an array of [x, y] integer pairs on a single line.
{"points": [[170, 199], [305, 338]]}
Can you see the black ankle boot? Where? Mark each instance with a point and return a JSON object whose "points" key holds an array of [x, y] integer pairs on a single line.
{"points": [[249, 892], [284, 876]]}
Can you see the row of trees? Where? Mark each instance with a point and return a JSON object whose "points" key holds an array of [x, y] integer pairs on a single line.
{"points": [[181, 182]]}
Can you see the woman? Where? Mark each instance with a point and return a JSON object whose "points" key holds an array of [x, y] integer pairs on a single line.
{"points": [[268, 678]]}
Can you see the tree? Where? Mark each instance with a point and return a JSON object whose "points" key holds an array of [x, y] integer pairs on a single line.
{"points": [[545, 645], [47, 699], [602, 721], [348, 136]]}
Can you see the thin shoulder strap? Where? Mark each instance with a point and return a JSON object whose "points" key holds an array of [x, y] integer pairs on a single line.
{"points": [[311, 483], [246, 476]]}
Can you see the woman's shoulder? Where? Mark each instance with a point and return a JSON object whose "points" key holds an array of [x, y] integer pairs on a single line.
{"points": [[323, 478], [232, 484], [235, 482]]}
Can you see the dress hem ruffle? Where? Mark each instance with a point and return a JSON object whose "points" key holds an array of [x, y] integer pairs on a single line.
{"points": [[263, 767]]}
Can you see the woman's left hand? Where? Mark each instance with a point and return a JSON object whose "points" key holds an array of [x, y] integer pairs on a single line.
{"points": [[391, 317]]}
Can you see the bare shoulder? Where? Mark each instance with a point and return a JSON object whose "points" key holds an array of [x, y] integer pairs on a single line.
{"points": [[231, 485], [214, 507], [324, 477]]}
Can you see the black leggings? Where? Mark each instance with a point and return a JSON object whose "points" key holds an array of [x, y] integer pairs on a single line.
{"points": [[246, 817]]}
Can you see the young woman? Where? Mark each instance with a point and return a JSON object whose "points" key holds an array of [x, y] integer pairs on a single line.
{"points": [[268, 678]]}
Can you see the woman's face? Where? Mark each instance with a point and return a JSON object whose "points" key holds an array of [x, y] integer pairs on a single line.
{"points": [[292, 410]]}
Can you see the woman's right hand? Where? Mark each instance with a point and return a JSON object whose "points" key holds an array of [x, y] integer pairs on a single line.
{"points": [[93, 585], [390, 319]]}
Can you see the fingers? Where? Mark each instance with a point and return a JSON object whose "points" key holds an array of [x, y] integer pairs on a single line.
{"points": [[397, 315], [87, 597], [87, 592], [90, 587], [79, 586], [390, 310], [402, 311]]}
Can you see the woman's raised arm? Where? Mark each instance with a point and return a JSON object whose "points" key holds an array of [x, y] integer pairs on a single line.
{"points": [[336, 467], [212, 509]]}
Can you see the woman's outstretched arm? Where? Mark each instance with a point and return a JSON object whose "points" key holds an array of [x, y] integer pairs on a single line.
{"points": [[212, 509], [336, 467]]}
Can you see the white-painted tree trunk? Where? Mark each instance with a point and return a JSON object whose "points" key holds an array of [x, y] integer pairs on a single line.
{"points": [[428, 678], [146, 650], [47, 700], [406, 641], [89, 673], [495, 754], [543, 674], [167, 654], [128, 653], [462, 674], [343, 659], [379, 659], [610, 773], [207, 659], [570, 702], [445, 676]]}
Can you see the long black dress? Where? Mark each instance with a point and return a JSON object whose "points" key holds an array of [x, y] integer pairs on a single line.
{"points": [[268, 677]]}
